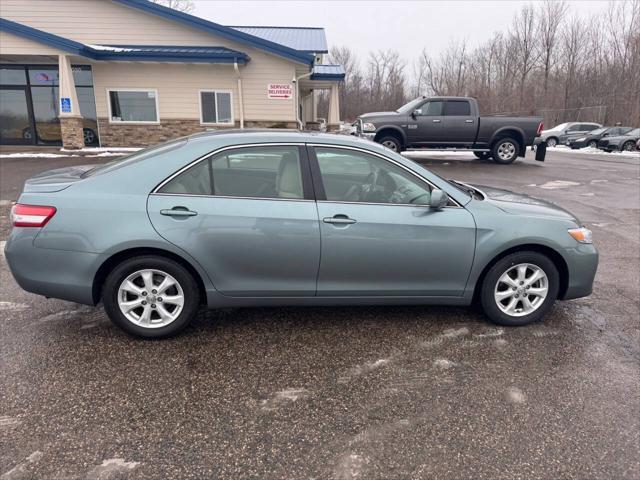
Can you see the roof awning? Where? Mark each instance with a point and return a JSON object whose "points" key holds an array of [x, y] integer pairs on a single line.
{"points": [[328, 72], [160, 53]]}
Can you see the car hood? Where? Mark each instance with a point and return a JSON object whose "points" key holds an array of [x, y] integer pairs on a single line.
{"points": [[377, 115], [521, 204], [56, 180]]}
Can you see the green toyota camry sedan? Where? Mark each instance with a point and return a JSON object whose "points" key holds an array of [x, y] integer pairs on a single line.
{"points": [[268, 218]]}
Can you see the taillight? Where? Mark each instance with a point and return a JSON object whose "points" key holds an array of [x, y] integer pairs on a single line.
{"points": [[31, 215], [540, 128]]}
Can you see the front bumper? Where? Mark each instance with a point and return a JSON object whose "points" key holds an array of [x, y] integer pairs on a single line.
{"points": [[62, 274], [582, 264]]}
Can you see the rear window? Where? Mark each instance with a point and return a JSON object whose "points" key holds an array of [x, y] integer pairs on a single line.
{"points": [[457, 107]]}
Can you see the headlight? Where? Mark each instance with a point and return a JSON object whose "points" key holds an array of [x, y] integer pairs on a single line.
{"points": [[581, 235], [368, 127]]}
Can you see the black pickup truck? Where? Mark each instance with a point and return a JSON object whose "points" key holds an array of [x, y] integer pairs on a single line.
{"points": [[452, 123]]}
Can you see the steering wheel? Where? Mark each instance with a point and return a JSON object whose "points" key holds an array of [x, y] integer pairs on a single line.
{"points": [[379, 187]]}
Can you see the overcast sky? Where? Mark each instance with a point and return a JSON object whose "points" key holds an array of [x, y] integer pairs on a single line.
{"points": [[368, 25]]}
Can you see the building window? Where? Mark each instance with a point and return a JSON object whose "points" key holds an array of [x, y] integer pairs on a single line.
{"points": [[135, 106], [216, 107]]}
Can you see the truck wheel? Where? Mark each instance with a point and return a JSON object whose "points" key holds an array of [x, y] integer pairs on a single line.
{"points": [[391, 142], [505, 150], [483, 155]]}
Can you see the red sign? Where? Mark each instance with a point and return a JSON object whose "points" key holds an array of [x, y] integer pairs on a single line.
{"points": [[280, 91]]}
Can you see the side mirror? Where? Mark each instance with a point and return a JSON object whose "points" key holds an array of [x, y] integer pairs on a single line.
{"points": [[416, 113], [438, 199], [605, 134]]}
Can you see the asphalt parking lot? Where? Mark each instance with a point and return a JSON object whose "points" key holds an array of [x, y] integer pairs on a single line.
{"points": [[341, 393]]}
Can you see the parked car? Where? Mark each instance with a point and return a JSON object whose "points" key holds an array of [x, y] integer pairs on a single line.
{"points": [[626, 142], [267, 218], [50, 131], [559, 134], [591, 138], [638, 144], [451, 122]]}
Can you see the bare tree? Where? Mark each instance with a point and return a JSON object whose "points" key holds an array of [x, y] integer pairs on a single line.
{"points": [[551, 15]]}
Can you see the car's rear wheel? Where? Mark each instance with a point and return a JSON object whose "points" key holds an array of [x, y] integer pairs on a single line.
{"points": [[552, 142], [150, 296], [628, 146], [391, 142], [89, 136], [505, 150], [483, 155], [519, 289]]}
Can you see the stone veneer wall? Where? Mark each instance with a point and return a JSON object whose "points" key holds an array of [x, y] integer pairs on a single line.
{"points": [[132, 135], [71, 132]]}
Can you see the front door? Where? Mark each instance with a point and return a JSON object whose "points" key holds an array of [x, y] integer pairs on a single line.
{"points": [[379, 236], [425, 126], [247, 215]]}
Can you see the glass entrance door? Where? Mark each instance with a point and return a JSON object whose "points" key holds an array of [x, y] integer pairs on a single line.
{"points": [[15, 121]]}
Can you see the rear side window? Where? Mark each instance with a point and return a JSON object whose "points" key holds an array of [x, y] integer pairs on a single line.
{"points": [[252, 172], [457, 108]]}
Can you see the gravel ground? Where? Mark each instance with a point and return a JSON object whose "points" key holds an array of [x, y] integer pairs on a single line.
{"points": [[342, 393]]}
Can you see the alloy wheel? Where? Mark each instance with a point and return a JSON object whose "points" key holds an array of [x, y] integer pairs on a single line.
{"points": [[506, 151], [551, 142], [150, 298], [391, 145], [89, 136], [521, 290]]}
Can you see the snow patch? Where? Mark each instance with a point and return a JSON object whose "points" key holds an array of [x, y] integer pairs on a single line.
{"points": [[20, 471], [599, 181], [443, 363], [492, 333], [362, 369], [516, 395], [111, 468], [350, 466], [6, 421], [555, 184], [101, 149], [500, 342], [454, 333], [282, 397], [34, 155]]}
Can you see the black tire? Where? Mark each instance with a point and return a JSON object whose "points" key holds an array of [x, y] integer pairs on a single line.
{"points": [[552, 142], [178, 272], [487, 289], [628, 146], [89, 136], [483, 155], [26, 134], [592, 144], [391, 142], [502, 143]]}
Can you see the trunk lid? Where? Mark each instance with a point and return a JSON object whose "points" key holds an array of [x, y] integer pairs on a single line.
{"points": [[56, 180]]}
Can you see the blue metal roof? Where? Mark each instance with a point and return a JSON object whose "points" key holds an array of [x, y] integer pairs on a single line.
{"points": [[168, 53], [304, 39], [328, 72], [221, 30]]}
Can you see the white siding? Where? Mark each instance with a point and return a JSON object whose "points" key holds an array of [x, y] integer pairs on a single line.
{"points": [[106, 22], [14, 45]]}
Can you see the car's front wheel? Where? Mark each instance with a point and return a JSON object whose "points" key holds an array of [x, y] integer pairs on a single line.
{"points": [[519, 288], [592, 144], [391, 142], [151, 296]]}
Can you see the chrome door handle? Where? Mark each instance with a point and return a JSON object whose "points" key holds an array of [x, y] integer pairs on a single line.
{"points": [[435, 120], [339, 220], [468, 121], [178, 212]]}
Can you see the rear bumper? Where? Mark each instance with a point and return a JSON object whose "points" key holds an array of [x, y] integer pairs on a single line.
{"points": [[582, 263], [52, 273]]}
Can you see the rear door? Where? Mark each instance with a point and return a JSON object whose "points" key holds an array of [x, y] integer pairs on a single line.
{"points": [[248, 216], [427, 125], [460, 127], [379, 236]]}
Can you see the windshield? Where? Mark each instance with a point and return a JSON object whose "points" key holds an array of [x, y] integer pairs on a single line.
{"points": [[411, 106], [562, 126], [633, 133], [135, 157], [598, 131]]}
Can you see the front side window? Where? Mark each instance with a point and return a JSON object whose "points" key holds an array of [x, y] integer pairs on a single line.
{"points": [[457, 108], [354, 176], [431, 109], [216, 107], [133, 106], [252, 172]]}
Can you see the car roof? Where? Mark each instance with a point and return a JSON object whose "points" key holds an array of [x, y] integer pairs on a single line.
{"points": [[274, 135]]}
